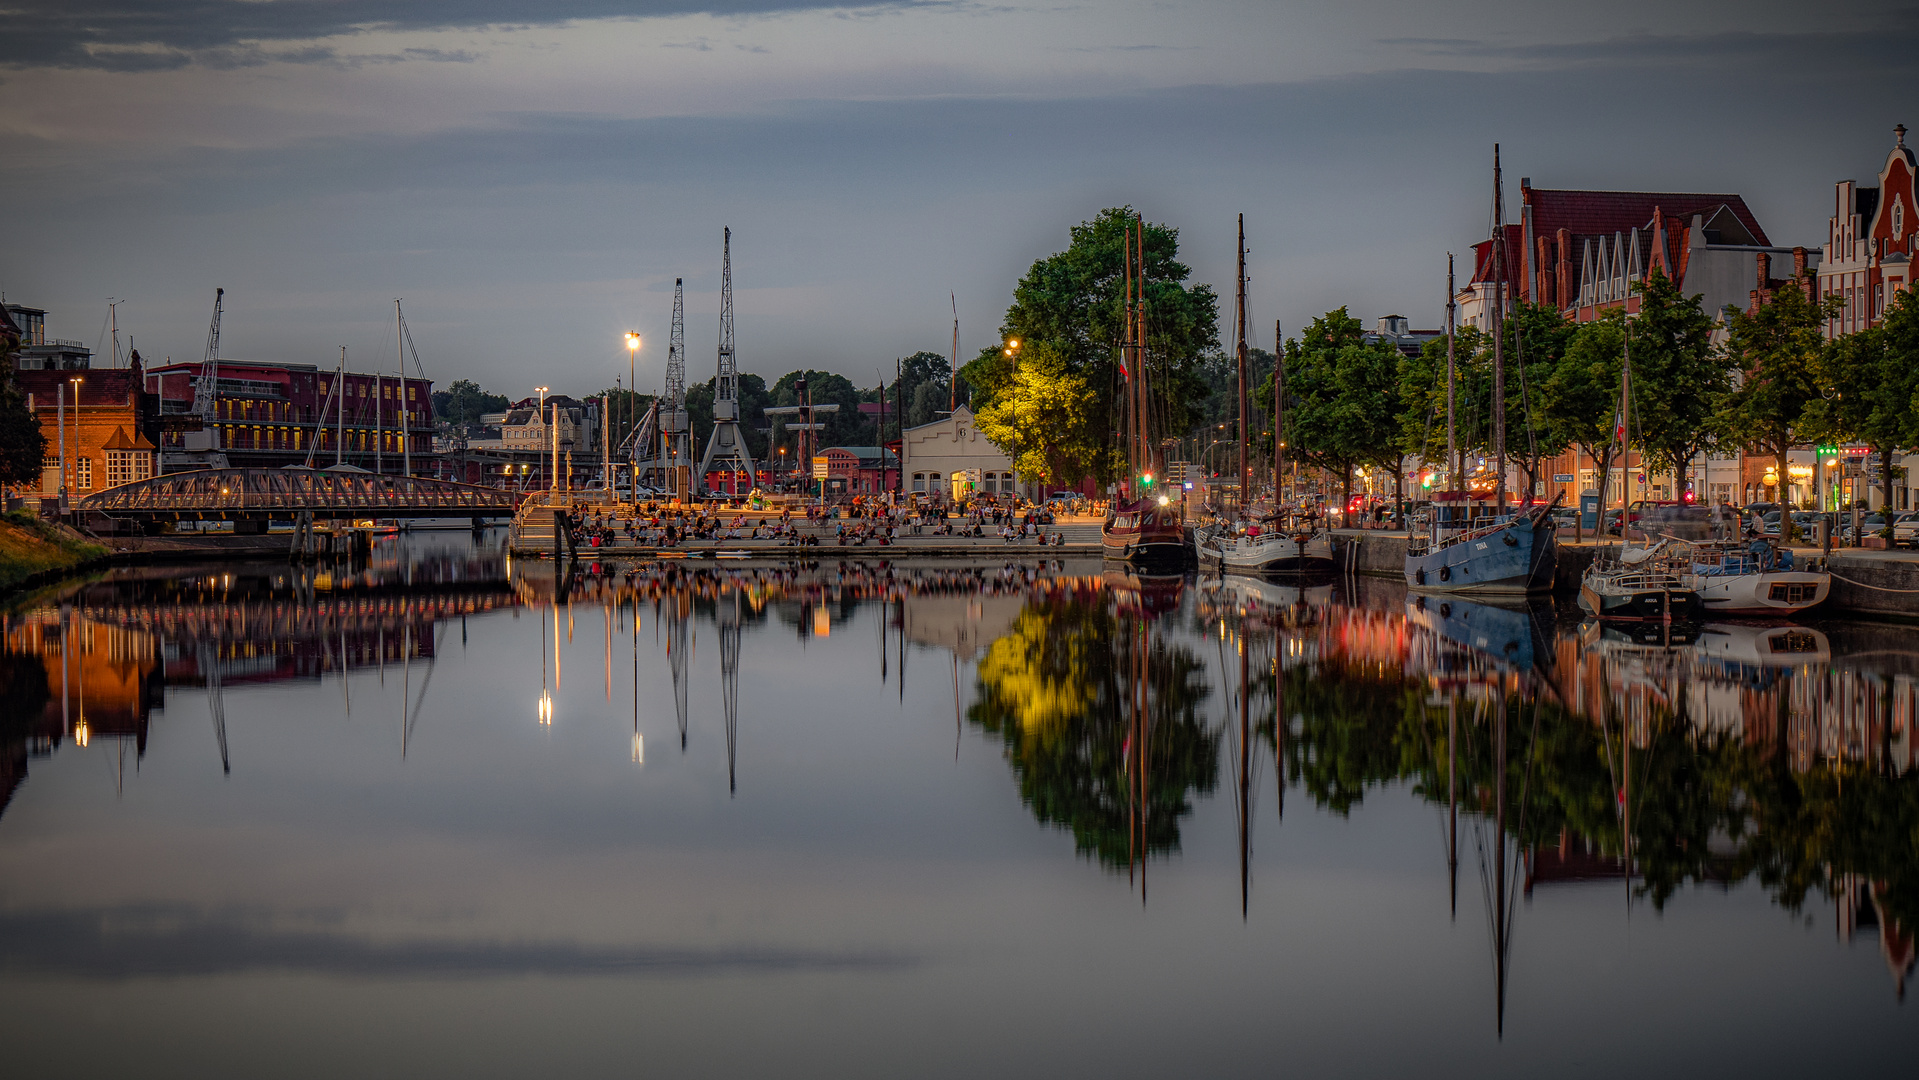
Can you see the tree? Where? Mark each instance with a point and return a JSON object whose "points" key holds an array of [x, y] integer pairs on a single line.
{"points": [[1537, 336], [1678, 377], [927, 378], [846, 427], [1075, 300], [1579, 402], [1870, 378], [23, 447], [1045, 415], [464, 402], [1342, 398], [1777, 350], [753, 399]]}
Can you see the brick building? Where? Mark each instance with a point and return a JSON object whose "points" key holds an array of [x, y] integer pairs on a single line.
{"points": [[860, 470], [1869, 241], [1583, 252], [104, 420], [268, 415]]}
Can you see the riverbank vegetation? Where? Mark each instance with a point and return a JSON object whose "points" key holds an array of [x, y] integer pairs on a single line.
{"points": [[29, 546]]}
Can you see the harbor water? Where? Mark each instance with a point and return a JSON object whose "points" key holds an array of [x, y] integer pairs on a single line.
{"points": [[446, 813]]}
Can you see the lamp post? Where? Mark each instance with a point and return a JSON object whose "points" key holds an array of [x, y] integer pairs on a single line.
{"points": [[1012, 353], [632, 388], [541, 414]]}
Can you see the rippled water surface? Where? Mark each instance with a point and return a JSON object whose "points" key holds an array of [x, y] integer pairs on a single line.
{"points": [[448, 816]]}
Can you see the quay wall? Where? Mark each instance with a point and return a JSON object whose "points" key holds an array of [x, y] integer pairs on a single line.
{"points": [[1875, 583]]}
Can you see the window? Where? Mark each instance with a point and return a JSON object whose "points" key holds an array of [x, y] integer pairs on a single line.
{"points": [[919, 481], [83, 474]]}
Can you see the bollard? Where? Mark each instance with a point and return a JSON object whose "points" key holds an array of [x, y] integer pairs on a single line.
{"points": [[1825, 534]]}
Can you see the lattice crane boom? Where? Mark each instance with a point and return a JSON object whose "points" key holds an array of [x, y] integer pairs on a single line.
{"points": [[204, 390]]}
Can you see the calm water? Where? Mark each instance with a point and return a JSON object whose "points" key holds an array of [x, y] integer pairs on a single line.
{"points": [[434, 817]]}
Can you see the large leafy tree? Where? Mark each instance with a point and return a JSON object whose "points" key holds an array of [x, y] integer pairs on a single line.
{"points": [[1045, 416], [1579, 401], [1679, 378], [1342, 398], [1777, 349], [1074, 301], [1869, 380], [23, 448], [1536, 338], [927, 381]]}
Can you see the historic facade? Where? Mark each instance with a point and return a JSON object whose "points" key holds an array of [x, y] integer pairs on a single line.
{"points": [[1869, 241], [950, 457]]}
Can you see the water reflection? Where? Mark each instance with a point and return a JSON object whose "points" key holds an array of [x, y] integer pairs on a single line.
{"points": [[1555, 755]]}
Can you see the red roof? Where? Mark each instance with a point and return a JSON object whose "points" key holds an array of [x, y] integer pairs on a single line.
{"points": [[1603, 213], [1590, 213]]}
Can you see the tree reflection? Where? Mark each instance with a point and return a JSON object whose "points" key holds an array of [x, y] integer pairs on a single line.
{"points": [[1633, 786], [1058, 690]]}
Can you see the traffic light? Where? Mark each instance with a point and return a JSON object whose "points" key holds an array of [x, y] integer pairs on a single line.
{"points": [[1426, 481], [1146, 479]]}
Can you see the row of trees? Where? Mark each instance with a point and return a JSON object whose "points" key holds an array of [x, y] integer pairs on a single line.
{"points": [[1774, 382]]}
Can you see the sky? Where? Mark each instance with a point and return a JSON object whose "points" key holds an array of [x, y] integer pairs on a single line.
{"points": [[530, 178]]}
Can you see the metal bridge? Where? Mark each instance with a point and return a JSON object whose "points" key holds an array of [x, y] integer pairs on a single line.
{"points": [[285, 494]]}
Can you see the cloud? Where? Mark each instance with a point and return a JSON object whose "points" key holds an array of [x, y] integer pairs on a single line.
{"points": [[153, 35], [176, 941], [1887, 47]]}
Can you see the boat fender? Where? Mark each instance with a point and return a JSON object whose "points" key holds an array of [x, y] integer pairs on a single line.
{"points": [[1445, 611], [1445, 573], [1419, 602], [1420, 575], [1510, 539]]}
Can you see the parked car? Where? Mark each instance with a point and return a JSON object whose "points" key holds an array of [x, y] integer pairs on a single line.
{"points": [[1869, 525], [1905, 531]]}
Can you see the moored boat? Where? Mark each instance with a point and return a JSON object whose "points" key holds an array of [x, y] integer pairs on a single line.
{"points": [[1272, 546], [1463, 552], [1640, 586], [1145, 531], [1734, 580]]}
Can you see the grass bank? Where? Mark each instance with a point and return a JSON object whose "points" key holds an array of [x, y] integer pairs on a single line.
{"points": [[30, 546]]}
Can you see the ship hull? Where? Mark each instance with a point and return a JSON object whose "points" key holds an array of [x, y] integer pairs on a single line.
{"points": [[1274, 553], [1786, 592], [1518, 560]]}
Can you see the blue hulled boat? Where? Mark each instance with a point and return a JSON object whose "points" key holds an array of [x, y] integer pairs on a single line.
{"points": [[1460, 550]]}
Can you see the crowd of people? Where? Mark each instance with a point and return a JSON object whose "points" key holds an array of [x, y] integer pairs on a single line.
{"points": [[863, 522]]}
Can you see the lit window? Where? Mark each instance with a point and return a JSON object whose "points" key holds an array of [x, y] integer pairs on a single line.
{"points": [[83, 474]]}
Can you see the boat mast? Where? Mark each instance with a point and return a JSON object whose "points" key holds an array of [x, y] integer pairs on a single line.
{"points": [[1453, 463], [1130, 364], [1279, 417], [1625, 438], [399, 359], [1239, 306], [1499, 333], [339, 432]]}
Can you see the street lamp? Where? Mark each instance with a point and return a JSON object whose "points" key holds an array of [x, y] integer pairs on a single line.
{"points": [[633, 388], [1012, 352]]}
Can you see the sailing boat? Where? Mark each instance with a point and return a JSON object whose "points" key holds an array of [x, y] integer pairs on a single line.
{"points": [[1640, 584], [1464, 545], [1146, 528], [1274, 542]]}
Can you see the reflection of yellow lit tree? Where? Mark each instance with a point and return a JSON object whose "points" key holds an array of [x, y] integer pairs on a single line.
{"points": [[1056, 691], [1044, 419]]}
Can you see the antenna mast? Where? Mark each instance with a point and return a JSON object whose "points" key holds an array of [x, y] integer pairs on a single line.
{"points": [[952, 374], [727, 446]]}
